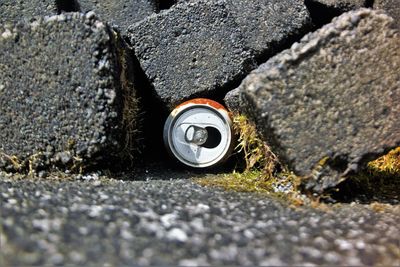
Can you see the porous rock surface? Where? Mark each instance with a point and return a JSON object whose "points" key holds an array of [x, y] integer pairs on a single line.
{"points": [[61, 94], [12, 11], [324, 105], [267, 24], [232, 101], [121, 13], [391, 7], [197, 48]]}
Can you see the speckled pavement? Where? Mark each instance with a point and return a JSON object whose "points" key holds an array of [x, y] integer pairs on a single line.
{"points": [[102, 222]]}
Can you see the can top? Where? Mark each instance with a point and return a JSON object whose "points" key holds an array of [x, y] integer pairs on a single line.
{"points": [[198, 133]]}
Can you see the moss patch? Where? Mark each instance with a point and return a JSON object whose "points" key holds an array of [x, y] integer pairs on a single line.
{"points": [[282, 186], [387, 165], [262, 172], [248, 181], [257, 154]]}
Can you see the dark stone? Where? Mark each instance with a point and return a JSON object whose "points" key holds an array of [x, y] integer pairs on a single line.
{"points": [[391, 7], [329, 104], [232, 101], [121, 13], [201, 48], [12, 11], [269, 24], [65, 93], [190, 49]]}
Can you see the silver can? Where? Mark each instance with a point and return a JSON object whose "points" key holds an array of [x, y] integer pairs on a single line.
{"points": [[199, 133]]}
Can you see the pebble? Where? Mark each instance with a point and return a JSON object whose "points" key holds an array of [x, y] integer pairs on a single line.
{"points": [[177, 234]]}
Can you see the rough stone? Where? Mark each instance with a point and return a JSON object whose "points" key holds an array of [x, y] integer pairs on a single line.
{"points": [[266, 24], [62, 94], [328, 105], [190, 49], [391, 7], [121, 13], [199, 48], [232, 101], [12, 11]]}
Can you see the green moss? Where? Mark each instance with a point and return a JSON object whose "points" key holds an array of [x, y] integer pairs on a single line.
{"points": [[247, 181], [250, 181]]}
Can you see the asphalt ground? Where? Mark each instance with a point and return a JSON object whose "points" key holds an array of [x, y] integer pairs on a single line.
{"points": [[168, 219]]}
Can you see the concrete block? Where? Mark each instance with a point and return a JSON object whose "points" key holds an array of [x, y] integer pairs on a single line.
{"points": [[329, 104], [200, 48], [65, 91], [268, 24], [190, 49]]}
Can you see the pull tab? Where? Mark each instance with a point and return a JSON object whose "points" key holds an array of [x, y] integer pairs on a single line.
{"points": [[196, 135]]}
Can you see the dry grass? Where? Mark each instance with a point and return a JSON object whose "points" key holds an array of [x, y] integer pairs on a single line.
{"points": [[130, 118], [257, 154], [388, 165]]}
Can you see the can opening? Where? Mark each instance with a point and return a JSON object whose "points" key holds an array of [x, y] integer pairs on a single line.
{"points": [[214, 138]]}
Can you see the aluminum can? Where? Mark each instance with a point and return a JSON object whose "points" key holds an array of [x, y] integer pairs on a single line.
{"points": [[199, 133]]}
